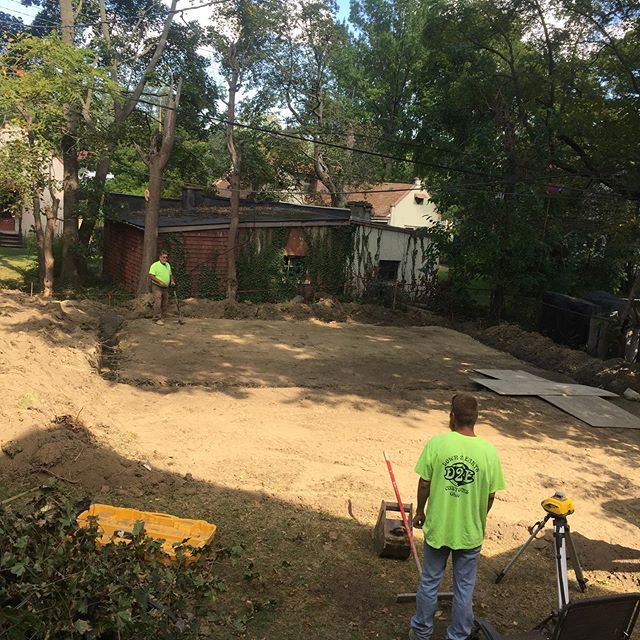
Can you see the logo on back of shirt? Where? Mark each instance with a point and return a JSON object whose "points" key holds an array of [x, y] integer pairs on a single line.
{"points": [[459, 473]]}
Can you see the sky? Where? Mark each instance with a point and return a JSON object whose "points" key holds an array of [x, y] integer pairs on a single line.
{"points": [[27, 13], [15, 7]]}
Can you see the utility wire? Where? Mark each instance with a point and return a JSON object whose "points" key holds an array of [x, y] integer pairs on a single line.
{"points": [[406, 144], [312, 140]]}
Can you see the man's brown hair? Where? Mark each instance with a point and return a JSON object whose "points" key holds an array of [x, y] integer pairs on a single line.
{"points": [[464, 408]]}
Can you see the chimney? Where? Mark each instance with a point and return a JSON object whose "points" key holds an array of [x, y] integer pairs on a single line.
{"points": [[361, 210]]}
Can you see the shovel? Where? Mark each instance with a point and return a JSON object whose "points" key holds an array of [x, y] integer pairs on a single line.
{"points": [[180, 319]]}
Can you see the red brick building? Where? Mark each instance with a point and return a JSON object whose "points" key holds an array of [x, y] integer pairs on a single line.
{"points": [[199, 225]]}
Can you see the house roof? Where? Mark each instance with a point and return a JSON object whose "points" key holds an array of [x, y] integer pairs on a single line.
{"points": [[251, 214], [223, 189], [385, 195], [381, 196]]}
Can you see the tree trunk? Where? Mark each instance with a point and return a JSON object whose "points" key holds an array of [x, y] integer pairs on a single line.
{"points": [[94, 206], [37, 225], [158, 159], [496, 304], [49, 232], [151, 215], [234, 179], [68, 272]]}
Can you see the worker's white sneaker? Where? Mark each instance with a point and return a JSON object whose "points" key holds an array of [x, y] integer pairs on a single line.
{"points": [[161, 322]]}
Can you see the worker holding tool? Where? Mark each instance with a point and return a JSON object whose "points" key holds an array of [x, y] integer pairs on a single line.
{"points": [[459, 475], [161, 279]]}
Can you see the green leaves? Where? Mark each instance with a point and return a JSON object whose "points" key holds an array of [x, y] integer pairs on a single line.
{"points": [[55, 581], [81, 626], [523, 113]]}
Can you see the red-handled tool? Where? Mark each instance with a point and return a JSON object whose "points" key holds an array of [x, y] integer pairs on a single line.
{"points": [[405, 522]]}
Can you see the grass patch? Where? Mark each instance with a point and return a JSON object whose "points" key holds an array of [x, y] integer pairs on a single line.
{"points": [[18, 268]]}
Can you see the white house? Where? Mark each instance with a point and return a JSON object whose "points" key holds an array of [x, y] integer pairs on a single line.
{"points": [[22, 223], [399, 204], [391, 255]]}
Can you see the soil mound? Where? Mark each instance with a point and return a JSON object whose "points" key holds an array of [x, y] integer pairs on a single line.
{"points": [[327, 309], [67, 451], [615, 374]]}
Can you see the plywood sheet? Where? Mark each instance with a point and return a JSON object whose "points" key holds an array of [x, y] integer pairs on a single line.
{"points": [[596, 412], [520, 383], [516, 387], [509, 374]]}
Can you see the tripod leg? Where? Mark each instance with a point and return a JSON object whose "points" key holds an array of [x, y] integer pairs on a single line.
{"points": [[575, 561], [562, 578], [537, 527]]}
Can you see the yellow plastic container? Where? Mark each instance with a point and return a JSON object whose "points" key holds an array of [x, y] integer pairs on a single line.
{"points": [[115, 524]]}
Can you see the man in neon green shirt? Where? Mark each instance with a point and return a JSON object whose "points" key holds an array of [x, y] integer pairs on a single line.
{"points": [[161, 279], [459, 476]]}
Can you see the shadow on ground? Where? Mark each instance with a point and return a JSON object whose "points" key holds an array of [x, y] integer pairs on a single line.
{"points": [[304, 573]]}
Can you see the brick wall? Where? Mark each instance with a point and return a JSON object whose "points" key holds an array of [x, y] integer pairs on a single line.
{"points": [[200, 248], [122, 255], [123, 251]]}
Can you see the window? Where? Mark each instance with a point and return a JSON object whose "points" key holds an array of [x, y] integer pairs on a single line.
{"points": [[295, 267], [388, 270], [419, 199]]}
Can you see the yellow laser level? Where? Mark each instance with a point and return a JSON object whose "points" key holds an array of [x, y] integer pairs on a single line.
{"points": [[558, 504], [558, 507]]}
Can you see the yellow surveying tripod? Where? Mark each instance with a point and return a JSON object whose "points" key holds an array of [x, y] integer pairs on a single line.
{"points": [[558, 507]]}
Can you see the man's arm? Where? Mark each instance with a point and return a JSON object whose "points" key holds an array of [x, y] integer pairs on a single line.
{"points": [[424, 487], [156, 280], [491, 499]]}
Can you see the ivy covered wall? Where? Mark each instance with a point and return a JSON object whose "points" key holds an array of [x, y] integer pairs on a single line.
{"points": [[414, 252], [343, 261]]}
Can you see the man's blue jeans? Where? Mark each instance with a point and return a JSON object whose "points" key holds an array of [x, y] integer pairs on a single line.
{"points": [[465, 563]]}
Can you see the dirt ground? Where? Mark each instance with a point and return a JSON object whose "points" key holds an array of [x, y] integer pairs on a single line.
{"points": [[274, 430]]}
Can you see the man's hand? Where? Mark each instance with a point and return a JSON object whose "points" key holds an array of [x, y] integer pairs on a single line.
{"points": [[173, 282], [418, 520]]}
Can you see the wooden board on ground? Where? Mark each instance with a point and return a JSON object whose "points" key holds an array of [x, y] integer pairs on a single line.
{"points": [[508, 374], [521, 383], [596, 412]]}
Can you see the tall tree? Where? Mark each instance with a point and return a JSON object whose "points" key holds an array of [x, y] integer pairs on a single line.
{"points": [[70, 148], [312, 47], [129, 40], [243, 32], [35, 73], [388, 52], [160, 147], [498, 97], [132, 64]]}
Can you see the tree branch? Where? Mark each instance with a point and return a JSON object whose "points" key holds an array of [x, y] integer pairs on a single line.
{"points": [[132, 101]]}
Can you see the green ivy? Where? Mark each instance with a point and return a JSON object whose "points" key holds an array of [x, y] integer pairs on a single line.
{"points": [[173, 243], [209, 285], [329, 258], [260, 267]]}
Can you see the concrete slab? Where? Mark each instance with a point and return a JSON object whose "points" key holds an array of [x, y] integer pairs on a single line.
{"points": [[596, 412]]}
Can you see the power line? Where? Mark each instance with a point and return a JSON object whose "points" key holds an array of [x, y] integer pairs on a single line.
{"points": [[377, 154], [314, 140], [324, 143], [378, 139]]}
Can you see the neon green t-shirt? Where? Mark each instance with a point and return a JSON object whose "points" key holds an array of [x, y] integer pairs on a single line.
{"points": [[463, 471], [161, 271]]}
